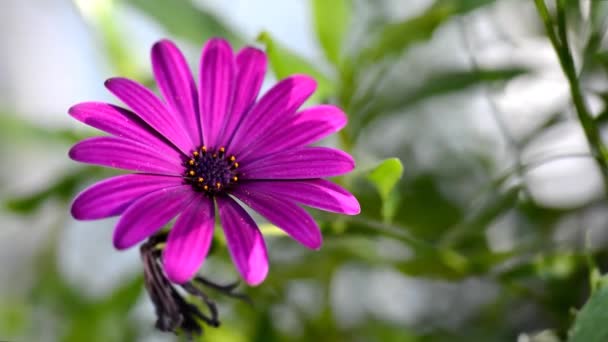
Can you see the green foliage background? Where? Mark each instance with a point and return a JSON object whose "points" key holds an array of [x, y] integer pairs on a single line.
{"points": [[544, 290]]}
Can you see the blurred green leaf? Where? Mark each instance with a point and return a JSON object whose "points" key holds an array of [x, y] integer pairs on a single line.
{"points": [[332, 19], [441, 84], [491, 206], [269, 229], [124, 297], [543, 336], [590, 324], [285, 63], [63, 189], [549, 267], [15, 129], [14, 318], [399, 36], [425, 209], [83, 318], [183, 19], [103, 16], [396, 37]]}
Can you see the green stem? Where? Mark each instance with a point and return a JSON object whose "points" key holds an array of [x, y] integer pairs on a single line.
{"points": [[559, 41]]}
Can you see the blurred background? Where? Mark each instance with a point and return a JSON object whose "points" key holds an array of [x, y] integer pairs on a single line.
{"points": [[484, 215]]}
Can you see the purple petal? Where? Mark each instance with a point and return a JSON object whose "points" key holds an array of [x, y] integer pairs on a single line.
{"points": [[276, 106], [216, 88], [189, 241], [245, 242], [288, 216], [316, 193], [120, 122], [112, 196], [145, 104], [301, 163], [250, 70], [309, 126], [149, 213], [175, 81], [126, 154]]}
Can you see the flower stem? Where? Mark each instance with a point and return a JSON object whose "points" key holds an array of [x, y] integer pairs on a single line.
{"points": [[559, 40]]}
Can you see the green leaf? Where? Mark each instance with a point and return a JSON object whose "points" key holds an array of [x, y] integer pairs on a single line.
{"points": [[285, 63], [102, 16], [332, 19], [14, 129], [124, 297], [183, 19], [62, 189], [14, 318], [386, 175], [493, 205], [397, 37], [590, 324], [441, 84]]}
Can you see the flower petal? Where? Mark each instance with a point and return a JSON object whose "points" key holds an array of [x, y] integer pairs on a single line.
{"points": [[276, 106], [149, 213], [309, 126], [120, 122], [288, 216], [316, 193], [216, 88], [301, 163], [250, 71], [112, 196], [245, 242], [189, 241], [175, 81], [148, 107], [126, 154]]}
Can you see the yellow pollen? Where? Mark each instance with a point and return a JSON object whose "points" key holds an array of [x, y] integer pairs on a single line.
{"points": [[235, 178], [215, 155], [195, 153], [201, 179], [204, 148], [191, 173], [206, 187], [232, 158], [222, 149], [236, 165], [218, 185], [191, 162]]}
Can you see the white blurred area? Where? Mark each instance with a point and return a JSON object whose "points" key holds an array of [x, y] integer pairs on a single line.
{"points": [[52, 58]]}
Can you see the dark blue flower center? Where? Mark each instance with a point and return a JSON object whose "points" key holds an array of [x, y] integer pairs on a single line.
{"points": [[211, 172]]}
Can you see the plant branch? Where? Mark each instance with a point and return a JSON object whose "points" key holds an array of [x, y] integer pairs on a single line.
{"points": [[559, 40]]}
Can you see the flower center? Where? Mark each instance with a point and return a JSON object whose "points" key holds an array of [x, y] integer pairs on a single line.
{"points": [[211, 172]]}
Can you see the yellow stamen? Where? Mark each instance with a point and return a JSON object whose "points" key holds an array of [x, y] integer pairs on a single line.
{"points": [[201, 179], [218, 185], [191, 173], [222, 149], [195, 153], [236, 165], [204, 148], [232, 158], [206, 187], [191, 162], [235, 178]]}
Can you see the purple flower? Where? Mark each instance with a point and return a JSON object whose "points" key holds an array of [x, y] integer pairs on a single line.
{"points": [[209, 145]]}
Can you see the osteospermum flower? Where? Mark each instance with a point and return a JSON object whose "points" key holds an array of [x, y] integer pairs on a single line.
{"points": [[201, 146]]}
